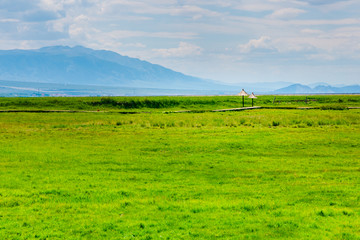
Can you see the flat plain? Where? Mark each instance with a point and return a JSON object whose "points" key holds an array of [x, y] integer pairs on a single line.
{"points": [[278, 172]]}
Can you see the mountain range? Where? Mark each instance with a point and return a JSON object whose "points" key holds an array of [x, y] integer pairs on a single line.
{"points": [[323, 89], [83, 66], [80, 71]]}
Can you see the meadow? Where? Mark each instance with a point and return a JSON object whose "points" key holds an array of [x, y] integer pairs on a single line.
{"points": [[279, 172], [197, 103]]}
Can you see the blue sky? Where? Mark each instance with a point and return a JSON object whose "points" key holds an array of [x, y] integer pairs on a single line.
{"points": [[303, 41]]}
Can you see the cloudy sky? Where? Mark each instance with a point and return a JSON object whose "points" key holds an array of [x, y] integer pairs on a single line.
{"points": [[304, 41]]}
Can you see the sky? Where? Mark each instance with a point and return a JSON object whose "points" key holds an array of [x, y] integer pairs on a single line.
{"points": [[230, 41]]}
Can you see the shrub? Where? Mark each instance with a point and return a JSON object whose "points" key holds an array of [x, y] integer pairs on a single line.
{"points": [[275, 123]]}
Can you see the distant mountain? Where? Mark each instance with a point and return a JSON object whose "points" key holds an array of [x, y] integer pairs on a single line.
{"points": [[321, 89], [83, 66], [324, 89], [313, 85], [80, 71], [295, 88]]}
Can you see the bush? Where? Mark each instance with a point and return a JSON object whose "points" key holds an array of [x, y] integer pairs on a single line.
{"points": [[275, 123]]}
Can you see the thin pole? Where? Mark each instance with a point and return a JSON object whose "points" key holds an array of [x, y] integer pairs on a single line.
{"points": [[252, 102], [243, 101]]}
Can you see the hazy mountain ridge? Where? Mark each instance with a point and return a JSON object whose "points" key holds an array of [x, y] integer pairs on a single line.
{"points": [[321, 89], [80, 71], [84, 66]]}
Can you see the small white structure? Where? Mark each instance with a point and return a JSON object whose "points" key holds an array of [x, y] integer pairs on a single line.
{"points": [[243, 94], [252, 96]]}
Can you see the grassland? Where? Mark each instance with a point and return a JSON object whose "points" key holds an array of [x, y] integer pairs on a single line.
{"points": [[204, 103], [259, 174]]}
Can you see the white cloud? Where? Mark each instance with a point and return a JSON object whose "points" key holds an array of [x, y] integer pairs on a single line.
{"points": [[261, 43], [323, 2], [295, 44], [135, 45], [286, 13], [340, 43], [336, 6], [175, 35], [320, 56], [343, 21], [9, 20], [191, 10], [81, 30], [266, 5], [51, 5], [347, 32], [256, 7], [311, 31], [183, 50], [156, 8], [122, 34]]}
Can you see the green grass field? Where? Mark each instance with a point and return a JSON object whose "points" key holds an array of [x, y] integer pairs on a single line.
{"points": [[204, 103], [256, 174]]}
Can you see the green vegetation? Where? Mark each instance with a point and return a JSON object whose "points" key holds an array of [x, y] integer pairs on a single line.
{"points": [[258, 174], [176, 103]]}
